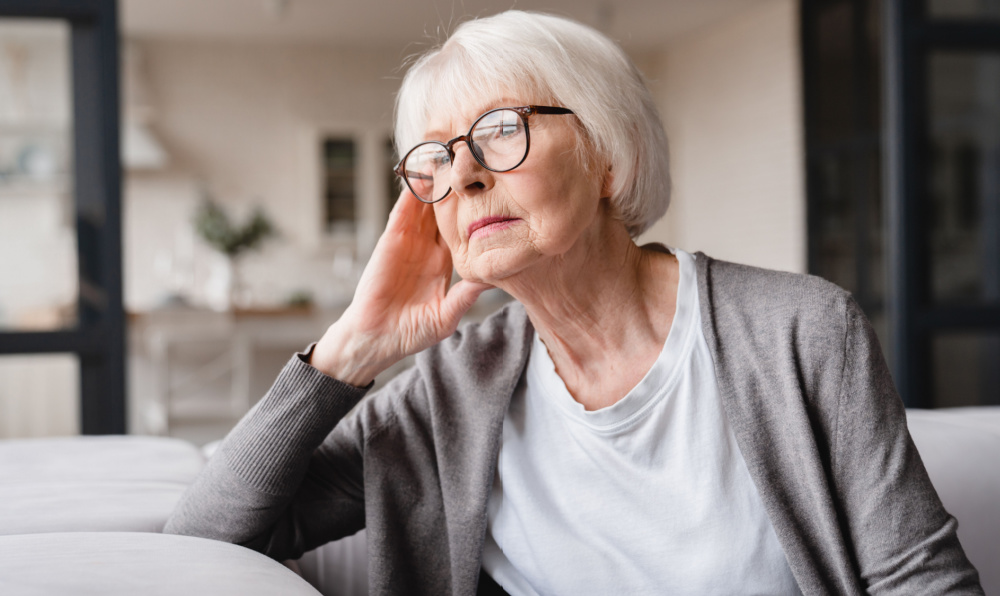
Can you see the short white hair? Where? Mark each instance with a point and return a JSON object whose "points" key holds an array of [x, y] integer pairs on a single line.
{"points": [[540, 57]]}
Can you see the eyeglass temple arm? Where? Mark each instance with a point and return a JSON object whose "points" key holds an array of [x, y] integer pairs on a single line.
{"points": [[549, 110]]}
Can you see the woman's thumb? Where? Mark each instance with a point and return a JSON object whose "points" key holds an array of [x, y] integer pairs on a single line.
{"points": [[460, 299]]}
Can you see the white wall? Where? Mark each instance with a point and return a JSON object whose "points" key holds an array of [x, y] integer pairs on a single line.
{"points": [[238, 121], [730, 96]]}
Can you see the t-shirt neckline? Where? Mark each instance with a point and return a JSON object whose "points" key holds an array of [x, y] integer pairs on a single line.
{"points": [[655, 385]]}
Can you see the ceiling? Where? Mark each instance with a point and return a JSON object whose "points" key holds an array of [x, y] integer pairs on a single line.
{"points": [[637, 24]]}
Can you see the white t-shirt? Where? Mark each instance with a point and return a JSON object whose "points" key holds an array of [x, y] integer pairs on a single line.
{"points": [[648, 496]]}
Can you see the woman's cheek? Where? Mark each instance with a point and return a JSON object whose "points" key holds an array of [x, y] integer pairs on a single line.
{"points": [[448, 228], [445, 219]]}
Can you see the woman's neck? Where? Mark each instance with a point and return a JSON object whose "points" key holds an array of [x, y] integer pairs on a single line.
{"points": [[603, 310]]}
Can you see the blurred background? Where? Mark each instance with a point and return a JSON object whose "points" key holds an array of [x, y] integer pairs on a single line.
{"points": [[190, 189]]}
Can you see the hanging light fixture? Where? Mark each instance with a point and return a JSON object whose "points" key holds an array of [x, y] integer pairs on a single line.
{"points": [[140, 148]]}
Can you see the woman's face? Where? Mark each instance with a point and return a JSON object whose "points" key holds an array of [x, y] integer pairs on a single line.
{"points": [[500, 224]]}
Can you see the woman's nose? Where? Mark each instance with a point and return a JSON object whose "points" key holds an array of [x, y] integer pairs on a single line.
{"points": [[468, 176]]}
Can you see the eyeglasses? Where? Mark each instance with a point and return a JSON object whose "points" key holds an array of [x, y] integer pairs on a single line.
{"points": [[498, 139]]}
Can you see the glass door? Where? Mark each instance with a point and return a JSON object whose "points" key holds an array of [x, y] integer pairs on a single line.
{"points": [[61, 317], [942, 90]]}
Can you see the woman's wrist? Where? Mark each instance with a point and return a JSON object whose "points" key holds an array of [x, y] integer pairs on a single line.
{"points": [[342, 356]]}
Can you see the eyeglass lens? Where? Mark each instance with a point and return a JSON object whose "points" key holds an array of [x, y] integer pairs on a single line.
{"points": [[498, 140]]}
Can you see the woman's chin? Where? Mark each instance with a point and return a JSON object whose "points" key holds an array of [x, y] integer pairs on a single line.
{"points": [[496, 265]]}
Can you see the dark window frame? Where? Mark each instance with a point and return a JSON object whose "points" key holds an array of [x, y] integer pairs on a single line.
{"points": [[855, 148], [98, 340], [910, 36]]}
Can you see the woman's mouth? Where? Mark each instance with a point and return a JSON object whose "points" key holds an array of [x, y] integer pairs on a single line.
{"points": [[487, 225]]}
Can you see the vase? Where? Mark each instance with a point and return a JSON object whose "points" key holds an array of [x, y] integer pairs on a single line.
{"points": [[239, 296], [225, 290]]}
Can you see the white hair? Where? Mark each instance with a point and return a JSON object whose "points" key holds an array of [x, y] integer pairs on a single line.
{"points": [[544, 58]]}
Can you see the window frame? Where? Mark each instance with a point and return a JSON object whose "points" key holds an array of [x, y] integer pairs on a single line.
{"points": [[910, 36], [98, 339]]}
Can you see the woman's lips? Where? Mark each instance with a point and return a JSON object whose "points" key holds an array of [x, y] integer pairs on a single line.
{"points": [[488, 225]]}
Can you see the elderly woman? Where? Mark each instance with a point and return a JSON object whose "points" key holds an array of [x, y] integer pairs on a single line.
{"points": [[639, 420]]}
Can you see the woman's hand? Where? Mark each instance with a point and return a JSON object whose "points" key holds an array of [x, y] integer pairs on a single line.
{"points": [[402, 304]]}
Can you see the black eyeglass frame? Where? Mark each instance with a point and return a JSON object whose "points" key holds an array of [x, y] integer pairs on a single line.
{"points": [[524, 112]]}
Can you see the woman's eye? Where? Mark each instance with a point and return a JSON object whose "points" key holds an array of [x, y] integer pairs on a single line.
{"points": [[500, 131], [489, 132]]}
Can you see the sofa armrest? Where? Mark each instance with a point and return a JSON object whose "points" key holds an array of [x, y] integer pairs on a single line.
{"points": [[959, 447], [128, 563]]}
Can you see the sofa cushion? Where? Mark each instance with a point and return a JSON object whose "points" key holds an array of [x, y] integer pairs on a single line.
{"points": [[93, 483], [112, 457], [87, 506], [128, 563]]}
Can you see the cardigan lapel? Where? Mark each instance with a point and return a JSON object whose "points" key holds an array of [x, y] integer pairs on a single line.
{"points": [[771, 421], [467, 459]]}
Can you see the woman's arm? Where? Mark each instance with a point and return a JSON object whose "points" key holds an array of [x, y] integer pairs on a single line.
{"points": [[905, 541], [260, 482], [266, 488]]}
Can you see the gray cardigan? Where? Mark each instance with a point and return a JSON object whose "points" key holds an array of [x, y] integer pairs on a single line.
{"points": [[804, 387]]}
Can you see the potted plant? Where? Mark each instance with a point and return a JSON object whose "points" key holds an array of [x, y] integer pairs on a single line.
{"points": [[217, 229]]}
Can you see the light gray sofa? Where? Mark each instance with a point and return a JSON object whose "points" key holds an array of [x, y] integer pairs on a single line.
{"points": [[82, 515], [961, 450]]}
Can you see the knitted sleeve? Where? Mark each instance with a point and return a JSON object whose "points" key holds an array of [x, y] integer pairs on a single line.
{"points": [[264, 483]]}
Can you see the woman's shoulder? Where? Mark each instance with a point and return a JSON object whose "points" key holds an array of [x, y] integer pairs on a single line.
{"points": [[779, 330], [726, 277], [753, 311], [755, 293]]}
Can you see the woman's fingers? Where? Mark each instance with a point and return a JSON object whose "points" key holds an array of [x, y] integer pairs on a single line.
{"points": [[402, 202], [410, 215], [409, 273], [410, 235], [403, 303]]}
